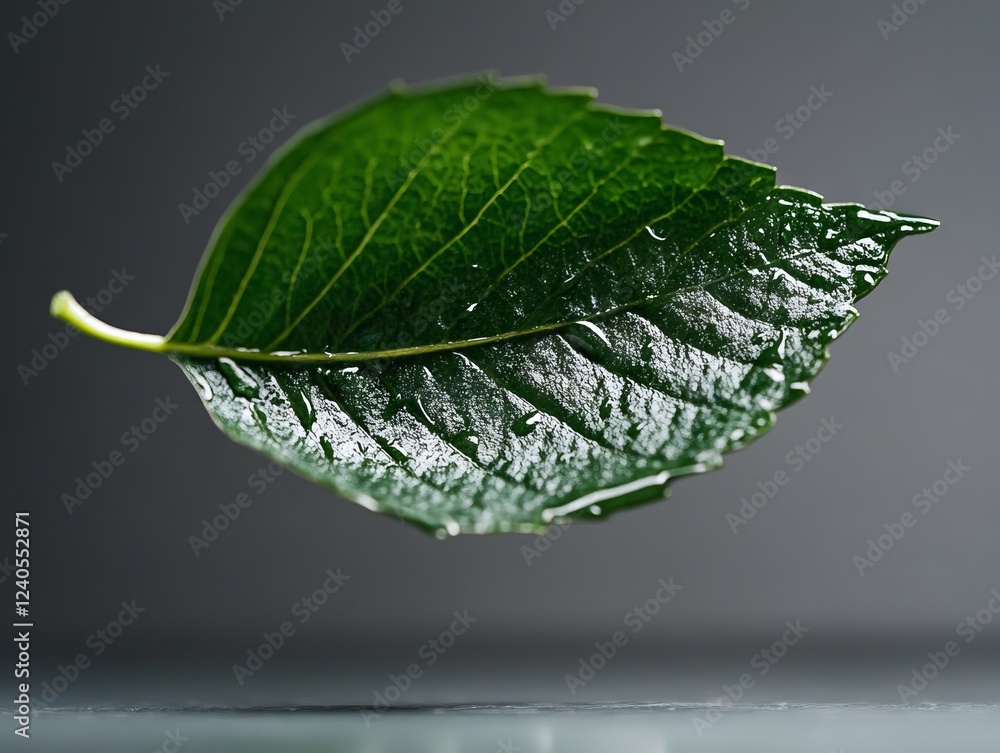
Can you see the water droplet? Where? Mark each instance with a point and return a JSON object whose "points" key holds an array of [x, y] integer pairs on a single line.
{"points": [[524, 425], [467, 443], [623, 398], [395, 453], [327, 448], [394, 406], [863, 275], [421, 412], [780, 274], [302, 407], [204, 388], [596, 330], [775, 373], [240, 381], [866, 215], [605, 409]]}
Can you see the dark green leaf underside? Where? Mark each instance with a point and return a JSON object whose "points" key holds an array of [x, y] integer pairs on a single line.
{"points": [[579, 304]]}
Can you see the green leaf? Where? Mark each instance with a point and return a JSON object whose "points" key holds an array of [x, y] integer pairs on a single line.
{"points": [[491, 306]]}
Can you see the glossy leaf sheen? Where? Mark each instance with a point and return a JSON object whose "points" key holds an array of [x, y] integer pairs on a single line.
{"points": [[553, 308]]}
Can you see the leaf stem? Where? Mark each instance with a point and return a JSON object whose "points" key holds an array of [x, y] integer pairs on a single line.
{"points": [[64, 306]]}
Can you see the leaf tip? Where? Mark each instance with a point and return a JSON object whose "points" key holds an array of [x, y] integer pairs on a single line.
{"points": [[911, 224]]}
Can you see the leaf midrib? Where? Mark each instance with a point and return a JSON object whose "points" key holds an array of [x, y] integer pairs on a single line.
{"points": [[203, 350]]}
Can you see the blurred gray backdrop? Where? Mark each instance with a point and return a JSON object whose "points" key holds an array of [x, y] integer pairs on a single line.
{"points": [[908, 116]]}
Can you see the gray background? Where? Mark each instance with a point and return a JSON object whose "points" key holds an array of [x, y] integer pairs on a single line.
{"points": [[792, 561]]}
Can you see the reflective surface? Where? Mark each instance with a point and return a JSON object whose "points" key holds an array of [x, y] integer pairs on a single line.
{"points": [[773, 729]]}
